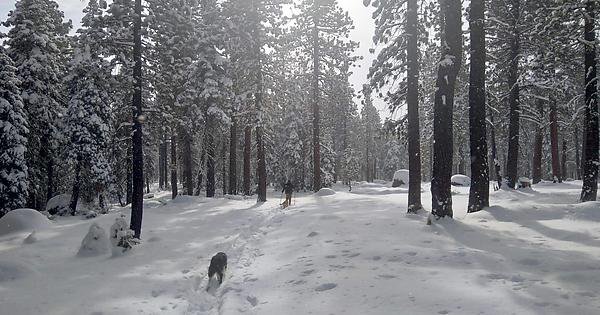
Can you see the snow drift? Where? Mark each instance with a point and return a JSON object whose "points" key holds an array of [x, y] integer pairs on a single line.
{"points": [[325, 192]]}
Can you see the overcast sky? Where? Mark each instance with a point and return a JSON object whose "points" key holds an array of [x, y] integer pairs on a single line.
{"points": [[362, 34]]}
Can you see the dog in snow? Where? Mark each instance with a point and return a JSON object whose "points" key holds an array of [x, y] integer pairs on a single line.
{"points": [[218, 265]]}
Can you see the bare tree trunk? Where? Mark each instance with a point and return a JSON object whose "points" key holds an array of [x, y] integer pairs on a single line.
{"points": [[480, 181], [315, 103], [187, 163], [577, 155], [247, 154], [210, 161], [536, 172], [556, 175], [495, 159], [448, 69], [173, 167], [233, 158], [589, 190], [563, 160], [76, 187], [513, 100]]}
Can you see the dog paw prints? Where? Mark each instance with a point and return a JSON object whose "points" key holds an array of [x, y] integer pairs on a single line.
{"points": [[252, 300]]}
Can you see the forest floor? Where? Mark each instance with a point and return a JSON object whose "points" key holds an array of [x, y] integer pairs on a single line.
{"points": [[533, 252]]}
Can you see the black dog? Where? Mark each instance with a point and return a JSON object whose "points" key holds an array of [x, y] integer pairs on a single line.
{"points": [[218, 265]]}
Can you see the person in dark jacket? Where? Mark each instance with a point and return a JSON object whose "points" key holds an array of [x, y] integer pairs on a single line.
{"points": [[288, 188]]}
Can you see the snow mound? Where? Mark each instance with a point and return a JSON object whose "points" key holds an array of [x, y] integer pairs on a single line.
{"points": [[400, 178], [59, 205], [30, 239], [325, 192], [23, 220], [94, 243], [460, 180], [13, 270]]}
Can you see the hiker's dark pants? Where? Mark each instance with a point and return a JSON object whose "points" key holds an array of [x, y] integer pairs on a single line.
{"points": [[288, 199]]}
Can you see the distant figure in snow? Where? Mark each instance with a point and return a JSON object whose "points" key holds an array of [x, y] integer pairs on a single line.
{"points": [[288, 188]]}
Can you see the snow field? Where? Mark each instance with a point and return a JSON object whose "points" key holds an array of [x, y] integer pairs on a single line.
{"points": [[533, 252]]}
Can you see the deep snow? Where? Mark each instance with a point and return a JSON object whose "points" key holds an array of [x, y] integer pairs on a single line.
{"points": [[534, 251]]}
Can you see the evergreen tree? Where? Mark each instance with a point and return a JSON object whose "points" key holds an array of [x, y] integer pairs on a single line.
{"points": [[36, 42], [13, 139]]}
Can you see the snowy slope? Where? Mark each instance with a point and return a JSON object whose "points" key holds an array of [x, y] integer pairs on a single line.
{"points": [[533, 252]]}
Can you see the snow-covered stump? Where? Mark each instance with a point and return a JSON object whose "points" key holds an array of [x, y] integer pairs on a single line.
{"points": [[94, 243], [401, 178], [121, 237], [524, 182]]}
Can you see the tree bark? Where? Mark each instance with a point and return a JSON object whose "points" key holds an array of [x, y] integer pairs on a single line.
{"points": [[247, 154], [480, 181], [495, 159], [556, 175], [174, 191], [76, 187], [187, 163], [448, 69], [233, 158], [563, 160], [538, 145], [161, 161], [137, 201], [315, 102], [589, 190], [210, 160], [513, 99], [224, 165], [577, 155]]}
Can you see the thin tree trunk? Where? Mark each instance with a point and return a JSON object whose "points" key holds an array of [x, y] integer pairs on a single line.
{"points": [[233, 158], [247, 153], [210, 161], [513, 100], [448, 69], [76, 187], [224, 165], [174, 191], [538, 145], [480, 181], [495, 160], [161, 160], [315, 102], [556, 175], [577, 155], [129, 180], [563, 160], [589, 190], [187, 163]]}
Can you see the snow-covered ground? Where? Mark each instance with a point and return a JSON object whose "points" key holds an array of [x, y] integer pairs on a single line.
{"points": [[534, 252]]}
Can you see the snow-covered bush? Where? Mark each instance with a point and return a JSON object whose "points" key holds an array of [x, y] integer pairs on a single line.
{"points": [[59, 204], [94, 243], [325, 192], [460, 180], [121, 237], [400, 178], [23, 220]]}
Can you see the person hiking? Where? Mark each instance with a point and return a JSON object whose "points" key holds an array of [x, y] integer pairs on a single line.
{"points": [[288, 188]]}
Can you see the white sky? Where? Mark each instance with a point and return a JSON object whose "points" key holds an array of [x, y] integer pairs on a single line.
{"points": [[362, 34]]}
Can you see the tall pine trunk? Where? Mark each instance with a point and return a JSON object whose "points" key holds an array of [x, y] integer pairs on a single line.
{"points": [[188, 179], [161, 161], [512, 162], [577, 155], [137, 201], [589, 190], [495, 159], [247, 155], [224, 165], [233, 157], [210, 159], [556, 175], [174, 191], [480, 183], [448, 69], [76, 188], [563, 160], [538, 144], [315, 102]]}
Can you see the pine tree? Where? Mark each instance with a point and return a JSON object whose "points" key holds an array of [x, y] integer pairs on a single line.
{"points": [[87, 118], [590, 154], [479, 190], [35, 42], [448, 69], [13, 139]]}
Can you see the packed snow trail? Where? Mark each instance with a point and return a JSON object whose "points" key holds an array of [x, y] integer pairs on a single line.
{"points": [[534, 252]]}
